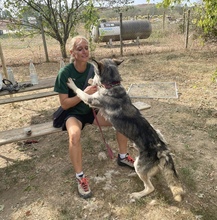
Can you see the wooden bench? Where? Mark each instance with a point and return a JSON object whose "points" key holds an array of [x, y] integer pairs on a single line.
{"points": [[47, 83], [19, 134], [27, 97], [37, 130]]}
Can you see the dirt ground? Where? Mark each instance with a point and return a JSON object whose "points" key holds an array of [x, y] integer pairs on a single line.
{"points": [[37, 180]]}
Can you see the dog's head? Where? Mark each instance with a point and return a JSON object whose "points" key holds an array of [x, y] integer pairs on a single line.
{"points": [[107, 71]]}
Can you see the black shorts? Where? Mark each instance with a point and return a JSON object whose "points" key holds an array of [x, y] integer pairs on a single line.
{"points": [[84, 119]]}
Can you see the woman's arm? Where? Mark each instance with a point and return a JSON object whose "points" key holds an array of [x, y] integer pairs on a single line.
{"points": [[68, 102]]}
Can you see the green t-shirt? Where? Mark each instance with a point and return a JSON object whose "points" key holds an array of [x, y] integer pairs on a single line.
{"points": [[79, 79]]}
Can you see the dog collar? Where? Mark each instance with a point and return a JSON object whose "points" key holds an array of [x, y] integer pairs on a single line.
{"points": [[110, 85]]}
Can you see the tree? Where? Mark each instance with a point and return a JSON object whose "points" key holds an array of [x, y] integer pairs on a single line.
{"points": [[206, 11], [59, 17], [207, 18]]}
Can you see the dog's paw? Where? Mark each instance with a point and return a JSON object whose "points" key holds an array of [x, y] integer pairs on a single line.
{"points": [[145, 192], [178, 192], [90, 81], [136, 195], [71, 84]]}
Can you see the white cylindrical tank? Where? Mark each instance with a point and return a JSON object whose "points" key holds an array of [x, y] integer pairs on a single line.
{"points": [[131, 30]]}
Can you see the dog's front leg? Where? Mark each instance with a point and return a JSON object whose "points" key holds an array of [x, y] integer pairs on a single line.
{"points": [[72, 85], [91, 100], [81, 94]]}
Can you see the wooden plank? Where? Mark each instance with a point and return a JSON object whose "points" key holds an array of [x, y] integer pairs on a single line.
{"points": [[141, 105], [19, 134], [27, 97], [43, 84], [37, 130]]}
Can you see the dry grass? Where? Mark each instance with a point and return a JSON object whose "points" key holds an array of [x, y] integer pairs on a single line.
{"points": [[37, 181]]}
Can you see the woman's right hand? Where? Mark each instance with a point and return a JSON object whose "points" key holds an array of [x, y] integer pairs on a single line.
{"points": [[90, 89]]}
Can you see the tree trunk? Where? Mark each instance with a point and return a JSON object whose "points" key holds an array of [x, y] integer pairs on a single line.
{"points": [[63, 49]]}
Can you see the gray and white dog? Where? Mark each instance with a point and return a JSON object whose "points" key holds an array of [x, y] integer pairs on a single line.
{"points": [[116, 106]]}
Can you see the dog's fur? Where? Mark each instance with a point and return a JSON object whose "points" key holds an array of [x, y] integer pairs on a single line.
{"points": [[116, 106]]}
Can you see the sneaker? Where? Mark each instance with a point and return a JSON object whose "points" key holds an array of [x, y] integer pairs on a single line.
{"points": [[83, 188], [127, 161]]}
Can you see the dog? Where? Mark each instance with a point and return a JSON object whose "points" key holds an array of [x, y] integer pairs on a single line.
{"points": [[115, 104]]}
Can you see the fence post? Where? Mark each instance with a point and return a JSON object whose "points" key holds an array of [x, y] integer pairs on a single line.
{"points": [[121, 43], [187, 30], [184, 16]]}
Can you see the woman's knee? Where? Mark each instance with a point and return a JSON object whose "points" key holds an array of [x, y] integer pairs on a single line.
{"points": [[74, 136], [74, 130]]}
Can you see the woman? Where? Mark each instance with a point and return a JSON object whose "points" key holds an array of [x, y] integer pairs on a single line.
{"points": [[80, 114]]}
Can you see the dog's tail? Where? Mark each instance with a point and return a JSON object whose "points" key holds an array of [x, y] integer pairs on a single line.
{"points": [[167, 167]]}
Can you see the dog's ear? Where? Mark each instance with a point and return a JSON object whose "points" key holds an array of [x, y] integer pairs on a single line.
{"points": [[99, 65], [118, 62]]}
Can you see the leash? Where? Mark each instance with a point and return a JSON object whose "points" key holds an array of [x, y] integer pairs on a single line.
{"points": [[106, 144]]}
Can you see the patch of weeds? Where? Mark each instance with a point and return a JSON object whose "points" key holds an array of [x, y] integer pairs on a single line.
{"points": [[7, 182], [64, 211], [214, 76], [67, 171], [174, 56], [132, 210], [113, 198], [31, 177], [205, 214], [20, 165], [159, 34], [188, 176], [204, 113], [212, 131], [163, 199], [194, 122], [89, 145], [171, 56], [195, 164], [28, 188], [187, 147], [65, 214], [144, 200], [207, 170], [4, 36]]}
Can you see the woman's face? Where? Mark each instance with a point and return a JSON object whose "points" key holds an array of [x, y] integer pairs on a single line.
{"points": [[81, 50]]}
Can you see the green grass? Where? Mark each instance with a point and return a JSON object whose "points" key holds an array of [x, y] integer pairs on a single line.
{"points": [[214, 76], [188, 176]]}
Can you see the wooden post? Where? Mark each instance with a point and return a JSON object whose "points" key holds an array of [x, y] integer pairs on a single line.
{"points": [[164, 21], [121, 41], [43, 38], [5, 73], [187, 30], [183, 28], [3, 63]]}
